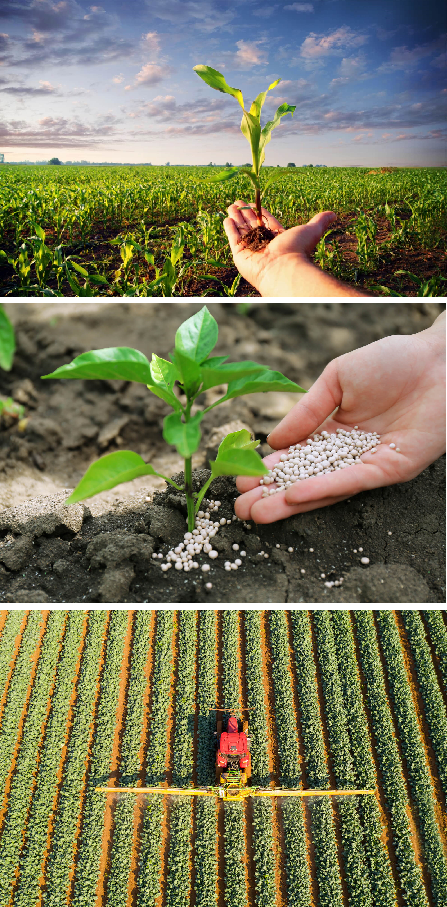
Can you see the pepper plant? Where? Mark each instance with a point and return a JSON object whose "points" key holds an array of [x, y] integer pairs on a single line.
{"points": [[193, 370], [251, 129]]}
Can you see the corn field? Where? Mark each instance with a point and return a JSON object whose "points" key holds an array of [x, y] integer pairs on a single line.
{"points": [[157, 231]]}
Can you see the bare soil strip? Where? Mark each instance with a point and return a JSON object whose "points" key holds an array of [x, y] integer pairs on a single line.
{"points": [[220, 805], [121, 712], [60, 772], [17, 644], [88, 760], [248, 805], [412, 819], [335, 813], [35, 660], [140, 801], [386, 837], [167, 804], [273, 757], [439, 800]]}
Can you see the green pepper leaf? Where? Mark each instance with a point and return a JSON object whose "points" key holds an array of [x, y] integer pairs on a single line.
{"points": [[237, 462], [120, 362], [164, 375], [240, 440], [260, 383], [190, 373], [216, 80], [197, 336], [108, 471], [214, 361], [228, 371], [7, 341], [185, 436]]}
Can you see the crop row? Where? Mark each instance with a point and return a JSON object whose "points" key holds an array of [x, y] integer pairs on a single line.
{"points": [[34, 850], [57, 876], [438, 635], [205, 856], [90, 844], [298, 881], [150, 841], [414, 754], [7, 644], [322, 822], [380, 874], [123, 830], [434, 708], [393, 783], [22, 783]]}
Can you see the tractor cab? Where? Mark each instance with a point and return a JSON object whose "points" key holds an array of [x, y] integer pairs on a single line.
{"points": [[233, 762]]}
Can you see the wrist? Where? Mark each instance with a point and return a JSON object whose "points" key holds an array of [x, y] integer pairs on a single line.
{"points": [[294, 274]]}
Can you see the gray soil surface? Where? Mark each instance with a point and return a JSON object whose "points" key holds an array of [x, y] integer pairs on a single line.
{"points": [[102, 551]]}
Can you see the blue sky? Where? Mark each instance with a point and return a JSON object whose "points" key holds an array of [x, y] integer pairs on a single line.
{"points": [[115, 81]]}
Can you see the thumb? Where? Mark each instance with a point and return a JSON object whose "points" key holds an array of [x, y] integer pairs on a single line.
{"points": [[310, 412], [311, 233]]}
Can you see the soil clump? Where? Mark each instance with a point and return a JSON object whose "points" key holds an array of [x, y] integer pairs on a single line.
{"points": [[257, 238]]}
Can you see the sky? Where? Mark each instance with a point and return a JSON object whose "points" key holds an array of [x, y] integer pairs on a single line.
{"points": [[115, 82]]}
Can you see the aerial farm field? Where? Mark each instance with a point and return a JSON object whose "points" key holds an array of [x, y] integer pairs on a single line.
{"points": [[157, 231], [335, 699]]}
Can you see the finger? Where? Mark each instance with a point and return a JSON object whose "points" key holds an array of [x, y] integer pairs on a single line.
{"points": [[244, 483], [311, 233], [243, 505], [272, 222], [233, 233], [343, 482], [245, 212], [238, 216], [270, 510], [305, 417]]}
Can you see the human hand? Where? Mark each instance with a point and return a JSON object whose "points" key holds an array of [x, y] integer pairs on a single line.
{"points": [[395, 386], [267, 266]]}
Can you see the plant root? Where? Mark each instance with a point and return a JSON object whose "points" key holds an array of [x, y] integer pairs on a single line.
{"points": [[257, 238]]}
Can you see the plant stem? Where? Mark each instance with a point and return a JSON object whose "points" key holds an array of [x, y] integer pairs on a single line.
{"points": [[202, 492], [189, 495], [258, 206]]}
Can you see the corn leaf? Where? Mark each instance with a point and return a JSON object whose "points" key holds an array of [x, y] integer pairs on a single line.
{"points": [[216, 80]]}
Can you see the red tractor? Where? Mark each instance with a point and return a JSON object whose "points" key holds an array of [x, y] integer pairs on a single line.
{"points": [[233, 760]]}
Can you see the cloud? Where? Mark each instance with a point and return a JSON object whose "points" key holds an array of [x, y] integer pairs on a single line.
{"points": [[4, 41], [248, 54], [301, 7], [164, 108], [46, 88], [150, 74], [407, 58], [151, 41], [206, 15], [57, 131], [264, 12], [118, 79], [315, 47]]}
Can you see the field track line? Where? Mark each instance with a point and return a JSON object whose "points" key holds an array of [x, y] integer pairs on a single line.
{"points": [[387, 836], [87, 766], [310, 849], [41, 741], [17, 644], [169, 763], [273, 759], [121, 711], [139, 801], [412, 820], [439, 799], [335, 814], [220, 805], [62, 759], [248, 803], [35, 659]]}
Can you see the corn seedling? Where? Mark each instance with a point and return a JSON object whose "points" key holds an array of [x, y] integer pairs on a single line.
{"points": [[251, 128], [194, 371]]}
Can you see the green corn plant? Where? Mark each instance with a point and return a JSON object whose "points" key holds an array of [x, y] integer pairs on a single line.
{"points": [[7, 341], [251, 128], [22, 267], [193, 370]]}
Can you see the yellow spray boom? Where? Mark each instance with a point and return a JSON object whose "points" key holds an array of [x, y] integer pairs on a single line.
{"points": [[228, 792]]}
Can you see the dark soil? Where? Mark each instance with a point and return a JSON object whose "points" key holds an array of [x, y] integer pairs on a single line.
{"points": [[103, 552], [257, 238]]}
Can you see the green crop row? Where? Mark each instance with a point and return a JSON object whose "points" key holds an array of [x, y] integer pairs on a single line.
{"points": [[205, 858], [7, 644], [33, 854], [322, 822], [57, 876], [23, 779], [414, 754], [380, 874], [234, 835], [393, 783], [438, 635]]}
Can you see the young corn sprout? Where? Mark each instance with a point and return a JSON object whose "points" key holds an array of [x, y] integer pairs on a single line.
{"points": [[193, 371], [257, 137]]}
